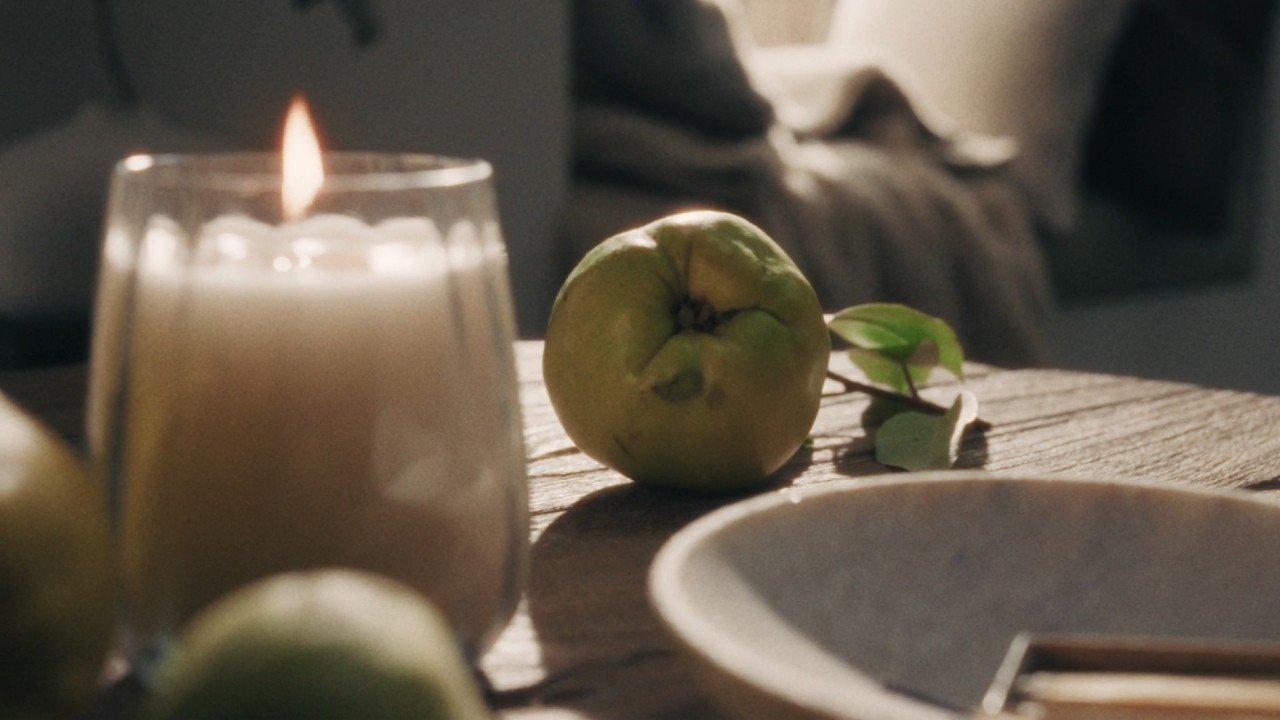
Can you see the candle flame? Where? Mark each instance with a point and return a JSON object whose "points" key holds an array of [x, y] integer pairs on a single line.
{"points": [[303, 171]]}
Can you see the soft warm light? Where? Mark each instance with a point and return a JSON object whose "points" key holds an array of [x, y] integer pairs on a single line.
{"points": [[303, 169]]}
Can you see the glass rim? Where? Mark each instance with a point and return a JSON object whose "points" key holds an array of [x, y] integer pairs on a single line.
{"points": [[345, 171]]}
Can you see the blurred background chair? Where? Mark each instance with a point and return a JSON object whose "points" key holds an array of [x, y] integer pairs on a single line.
{"points": [[873, 195], [870, 136], [1144, 163]]}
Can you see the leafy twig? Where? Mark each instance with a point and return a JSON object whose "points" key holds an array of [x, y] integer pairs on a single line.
{"points": [[911, 384], [917, 402]]}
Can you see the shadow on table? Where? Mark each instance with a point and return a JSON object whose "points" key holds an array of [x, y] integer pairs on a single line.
{"points": [[858, 458], [603, 647], [973, 451]]}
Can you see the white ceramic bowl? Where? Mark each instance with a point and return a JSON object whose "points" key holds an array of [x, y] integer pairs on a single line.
{"points": [[897, 596]]}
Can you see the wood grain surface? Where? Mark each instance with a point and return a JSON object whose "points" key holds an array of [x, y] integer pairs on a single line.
{"points": [[585, 644]]}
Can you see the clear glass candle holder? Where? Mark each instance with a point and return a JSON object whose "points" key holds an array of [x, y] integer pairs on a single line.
{"points": [[270, 395]]}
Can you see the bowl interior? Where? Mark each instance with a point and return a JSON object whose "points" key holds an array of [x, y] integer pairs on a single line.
{"points": [[920, 585]]}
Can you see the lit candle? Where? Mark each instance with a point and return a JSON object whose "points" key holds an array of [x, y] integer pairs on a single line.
{"points": [[323, 391]]}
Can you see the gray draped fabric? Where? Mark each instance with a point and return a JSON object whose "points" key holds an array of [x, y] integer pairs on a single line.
{"points": [[870, 194]]}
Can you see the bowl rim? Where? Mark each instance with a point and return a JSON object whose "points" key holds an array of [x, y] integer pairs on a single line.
{"points": [[732, 657]]}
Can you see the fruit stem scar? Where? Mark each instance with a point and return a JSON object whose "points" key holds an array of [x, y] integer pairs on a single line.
{"points": [[700, 315]]}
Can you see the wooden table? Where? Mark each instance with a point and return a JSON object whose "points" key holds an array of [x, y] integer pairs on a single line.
{"points": [[585, 644]]}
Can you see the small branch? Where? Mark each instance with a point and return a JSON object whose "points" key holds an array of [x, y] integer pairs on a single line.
{"points": [[917, 402], [911, 384]]}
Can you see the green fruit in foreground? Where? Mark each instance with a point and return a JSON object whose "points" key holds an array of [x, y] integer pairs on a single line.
{"points": [[333, 644], [56, 572], [689, 353]]}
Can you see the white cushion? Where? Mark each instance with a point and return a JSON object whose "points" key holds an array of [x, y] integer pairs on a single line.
{"points": [[1026, 68]]}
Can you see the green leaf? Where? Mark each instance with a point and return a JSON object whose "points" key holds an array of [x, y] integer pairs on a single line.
{"points": [[886, 337], [887, 371], [926, 354], [870, 336], [915, 440]]}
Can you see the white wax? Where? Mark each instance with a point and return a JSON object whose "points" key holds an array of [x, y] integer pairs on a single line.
{"points": [[320, 393]]}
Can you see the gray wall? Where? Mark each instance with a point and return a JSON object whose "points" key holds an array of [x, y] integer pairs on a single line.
{"points": [[1225, 336], [45, 46]]}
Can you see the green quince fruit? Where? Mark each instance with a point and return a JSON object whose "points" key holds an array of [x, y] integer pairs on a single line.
{"points": [[687, 353], [57, 579], [335, 644]]}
